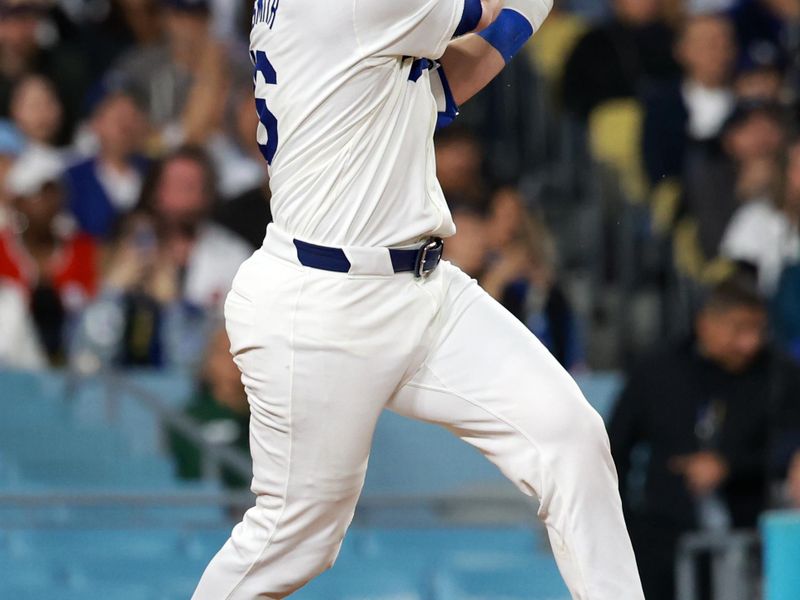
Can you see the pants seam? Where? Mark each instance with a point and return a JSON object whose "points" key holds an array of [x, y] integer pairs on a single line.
{"points": [[285, 502], [445, 389]]}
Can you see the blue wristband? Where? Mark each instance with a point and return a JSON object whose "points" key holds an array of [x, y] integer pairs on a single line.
{"points": [[509, 33]]}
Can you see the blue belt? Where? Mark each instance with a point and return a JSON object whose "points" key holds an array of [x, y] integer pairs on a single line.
{"points": [[421, 261]]}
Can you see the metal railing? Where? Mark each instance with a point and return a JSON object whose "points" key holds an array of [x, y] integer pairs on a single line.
{"points": [[734, 565]]}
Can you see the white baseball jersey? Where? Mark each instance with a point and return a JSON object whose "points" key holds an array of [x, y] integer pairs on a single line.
{"points": [[348, 114]]}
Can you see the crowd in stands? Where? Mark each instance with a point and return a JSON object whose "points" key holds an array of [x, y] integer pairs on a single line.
{"points": [[132, 187]]}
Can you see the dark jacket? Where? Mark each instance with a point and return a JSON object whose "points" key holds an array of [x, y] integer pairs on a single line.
{"points": [[660, 409], [664, 137], [616, 61]]}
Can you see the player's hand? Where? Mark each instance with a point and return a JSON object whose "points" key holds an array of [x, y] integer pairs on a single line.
{"points": [[535, 11], [163, 284], [128, 268], [703, 471]]}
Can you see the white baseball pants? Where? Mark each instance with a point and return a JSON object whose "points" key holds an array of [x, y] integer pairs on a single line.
{"points": [[323, 353]]}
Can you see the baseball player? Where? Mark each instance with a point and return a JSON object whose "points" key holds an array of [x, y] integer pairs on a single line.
{"points": [[348, 309]]}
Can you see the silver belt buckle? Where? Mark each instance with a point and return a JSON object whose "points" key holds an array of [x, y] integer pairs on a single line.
{"points": [[433, 244]]}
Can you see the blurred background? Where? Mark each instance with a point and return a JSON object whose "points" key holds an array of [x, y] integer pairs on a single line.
{"points": [[629, 188]]}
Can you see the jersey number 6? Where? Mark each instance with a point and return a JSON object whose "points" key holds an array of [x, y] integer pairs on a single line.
{"points": [[265, 116]]}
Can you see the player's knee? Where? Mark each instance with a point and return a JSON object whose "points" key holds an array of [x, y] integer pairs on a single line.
{"points": [[584, 434]]}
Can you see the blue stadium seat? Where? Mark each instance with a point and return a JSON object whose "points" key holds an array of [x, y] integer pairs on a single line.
{"points": [[501, 578]]}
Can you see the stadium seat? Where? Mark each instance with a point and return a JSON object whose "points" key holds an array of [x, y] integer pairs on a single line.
{"points": [[615, 130], [504, 578]]}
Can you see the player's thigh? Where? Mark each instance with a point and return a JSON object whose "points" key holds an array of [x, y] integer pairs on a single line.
{"points": [[320, 354], [489, 380]]}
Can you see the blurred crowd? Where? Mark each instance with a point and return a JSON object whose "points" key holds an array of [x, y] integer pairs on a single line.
{"points": [[132, 187]]}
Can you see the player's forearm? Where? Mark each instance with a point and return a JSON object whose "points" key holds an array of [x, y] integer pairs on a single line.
{"points": [[472, 61]]}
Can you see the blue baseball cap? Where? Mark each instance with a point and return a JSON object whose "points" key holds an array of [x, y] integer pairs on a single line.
{"points": [[761, 55]]}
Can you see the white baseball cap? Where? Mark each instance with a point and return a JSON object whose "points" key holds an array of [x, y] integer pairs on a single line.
{"points": [[35, 168]]}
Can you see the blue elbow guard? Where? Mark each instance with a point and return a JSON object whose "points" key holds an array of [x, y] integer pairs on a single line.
{"points": [[509, 33]]}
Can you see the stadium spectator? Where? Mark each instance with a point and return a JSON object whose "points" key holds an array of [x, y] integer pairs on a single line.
{"points": [[760, 73], [619, 58], [793, 482], [786, 304], [138, 318], [22, 53], [220, 407], [459, 165], [36, 110], [468, 248], [705, 410], [693, 108], [523, 277], [179, 80], [41, 251], [19, 344], [180, 196], [744, 166], [108, 185], [247, 212], [776, 21], [765, 233]]}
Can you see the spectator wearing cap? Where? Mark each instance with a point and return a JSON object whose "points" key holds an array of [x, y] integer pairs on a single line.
{"points": [[774, 20], [22, 53], [41, 251], [106, 186], [741, 167], [619, 58], [760, 72], [692, 109], [712, 413]]}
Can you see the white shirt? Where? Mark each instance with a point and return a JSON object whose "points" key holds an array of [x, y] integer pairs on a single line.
{"points": [[214, 261], [708, 108], [762, 235], [353, 161], [19, 344]]}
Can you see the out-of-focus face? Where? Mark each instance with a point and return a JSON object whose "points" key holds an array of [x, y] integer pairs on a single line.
{"points": [[36, 109], [458, 165], [758, 137], [40, 209], [467, 249], [760, 84], [186, 31], [181, 194], [18, 33], [120, 126], [506, 217], [707, 50], [732, 337], [638, 12]]}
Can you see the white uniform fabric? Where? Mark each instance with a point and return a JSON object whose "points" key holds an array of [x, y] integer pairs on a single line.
{"points": [[354, 163], [323, 353]]}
